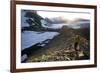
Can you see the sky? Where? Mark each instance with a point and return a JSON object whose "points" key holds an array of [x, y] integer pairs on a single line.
{"points": [[66, 15]]}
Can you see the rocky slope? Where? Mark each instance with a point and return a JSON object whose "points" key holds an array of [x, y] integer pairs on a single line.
{"points": [[61, 48]]}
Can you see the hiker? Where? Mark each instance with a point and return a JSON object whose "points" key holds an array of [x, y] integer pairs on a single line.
{"points": [[76, 44]]}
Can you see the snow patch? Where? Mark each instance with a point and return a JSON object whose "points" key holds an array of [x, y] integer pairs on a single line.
{"points": [[29, 38], [24, 57]]}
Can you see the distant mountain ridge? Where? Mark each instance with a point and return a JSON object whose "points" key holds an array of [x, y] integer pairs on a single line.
{"points": [[32, 20], [80, 23]]}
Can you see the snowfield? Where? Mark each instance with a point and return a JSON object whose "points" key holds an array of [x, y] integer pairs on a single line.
{"points": [[55, 26], [29, 38]]}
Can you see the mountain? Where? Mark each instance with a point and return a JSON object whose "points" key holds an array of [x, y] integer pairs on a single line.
{"points": [[80, 23], [30, 20], [84, 27], [45, 39], [48, 20], [61, 48], [58, 20]]}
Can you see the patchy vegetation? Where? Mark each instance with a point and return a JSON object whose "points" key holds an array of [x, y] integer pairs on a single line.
{"points": [[61, 48]]}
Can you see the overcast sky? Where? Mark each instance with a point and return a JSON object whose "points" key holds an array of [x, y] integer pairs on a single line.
{"points": [[67, 15]]}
